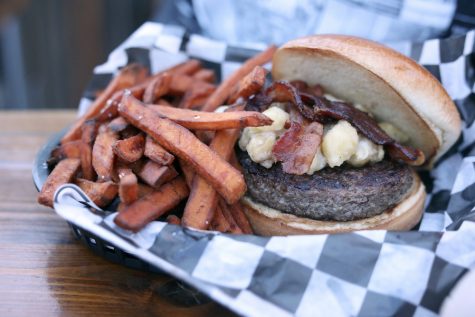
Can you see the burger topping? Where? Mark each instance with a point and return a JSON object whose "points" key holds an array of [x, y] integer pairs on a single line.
{"points": [[259, 141], [323, 131], [296, 148], [320, 109], [260, 148], [366, 152], [306, 147], [339, 143]]}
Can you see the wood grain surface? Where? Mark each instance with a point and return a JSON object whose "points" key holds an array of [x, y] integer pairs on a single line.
{"points": [[44, 270]]}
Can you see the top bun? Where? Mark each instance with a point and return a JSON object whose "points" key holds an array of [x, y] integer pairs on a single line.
{"points": [[393, 87]]}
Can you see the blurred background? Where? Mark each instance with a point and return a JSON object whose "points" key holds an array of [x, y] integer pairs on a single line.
{"points": [[48, 48]]}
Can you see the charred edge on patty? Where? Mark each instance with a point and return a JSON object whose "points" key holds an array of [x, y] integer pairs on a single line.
{"points": [[343, 193]]}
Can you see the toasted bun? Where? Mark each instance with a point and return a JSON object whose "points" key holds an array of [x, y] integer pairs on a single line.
{"points": [[267, 221], [393, 87]]}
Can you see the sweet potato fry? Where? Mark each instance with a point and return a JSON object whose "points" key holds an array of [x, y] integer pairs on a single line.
{"points": [[103, 128], [235, 163], [87, 170], [224, 90], [180, 84], [206, 75], [189, 67], [63, 173], [173, 220], [201, 204], [154, 174], [156, 152], [89, 132], [137, 215], [70, 149], [183, 144], [128, 76], [130, 149], [118, 124], [188, 172], [121, 207], [237, 213], [233, 226], [137, 91], [128, 186], [144, 190], [197, 95], [219, 222], [102, 194], [251, 84], [199, 120], [157, 88], [97, 93], [103, 155], [203, 197], [109, 111]]}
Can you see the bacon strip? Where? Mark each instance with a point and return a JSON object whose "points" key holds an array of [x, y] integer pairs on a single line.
{"points": [[297, 146], [282, 91], [322, 109], [301, 86]]}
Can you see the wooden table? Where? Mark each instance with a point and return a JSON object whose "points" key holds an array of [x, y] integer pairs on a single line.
{"points": [[44, 271]]}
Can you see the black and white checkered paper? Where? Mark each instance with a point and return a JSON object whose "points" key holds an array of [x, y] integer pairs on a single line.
{"points": [[368, 273]]}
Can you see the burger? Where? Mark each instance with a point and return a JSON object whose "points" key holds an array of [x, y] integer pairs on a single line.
{"points": [[352, 121]]}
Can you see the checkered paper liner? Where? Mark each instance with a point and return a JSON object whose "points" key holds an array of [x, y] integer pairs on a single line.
{"points": [[367, 273]]}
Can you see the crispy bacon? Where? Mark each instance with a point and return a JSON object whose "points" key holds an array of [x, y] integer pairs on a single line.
{"points": [[282, 91], [298, 145], [315, 90], [258, 102], [320, 109]]}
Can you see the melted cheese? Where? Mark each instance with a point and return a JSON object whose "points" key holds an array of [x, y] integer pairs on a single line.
{"points": [[259, 141]]}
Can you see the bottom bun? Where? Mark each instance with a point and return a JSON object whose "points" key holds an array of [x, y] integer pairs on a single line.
{"points": [[267, 221]]}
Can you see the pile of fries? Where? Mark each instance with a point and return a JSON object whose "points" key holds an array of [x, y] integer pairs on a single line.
{"points": [[154, 141]]}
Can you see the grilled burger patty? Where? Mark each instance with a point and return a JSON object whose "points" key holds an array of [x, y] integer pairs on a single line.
{"points": [[342, 193]]}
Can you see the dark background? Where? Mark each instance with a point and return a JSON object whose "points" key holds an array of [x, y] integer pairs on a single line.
{"points": [[48, 48]]}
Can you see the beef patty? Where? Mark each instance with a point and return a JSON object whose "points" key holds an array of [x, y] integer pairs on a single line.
{"points": [[342, 193]]}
